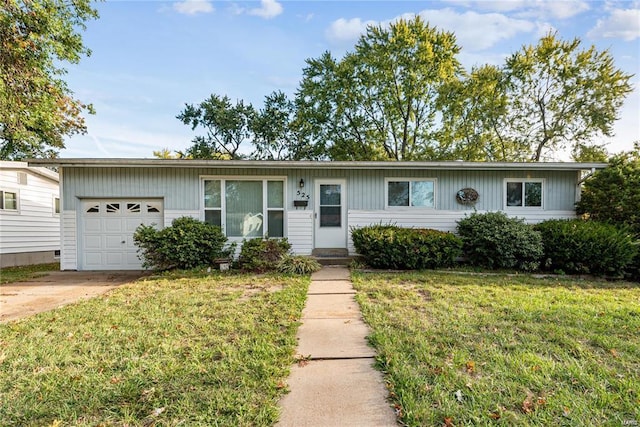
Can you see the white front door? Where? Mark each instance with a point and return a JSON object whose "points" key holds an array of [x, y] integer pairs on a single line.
{"points": [[330, 213]]}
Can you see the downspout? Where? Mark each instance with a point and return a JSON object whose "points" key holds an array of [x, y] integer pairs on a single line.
{"points": [[580, 181]]}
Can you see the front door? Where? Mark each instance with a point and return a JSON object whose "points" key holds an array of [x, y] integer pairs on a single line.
{"points": [[330, 213]]}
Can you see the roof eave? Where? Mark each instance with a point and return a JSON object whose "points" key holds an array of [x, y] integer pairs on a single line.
{"points": [[279, 164]]}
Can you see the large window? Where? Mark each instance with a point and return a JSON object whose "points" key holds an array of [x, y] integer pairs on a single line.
{"points": [[245, 207], [8, 200], [419, 193], [524, 193]]}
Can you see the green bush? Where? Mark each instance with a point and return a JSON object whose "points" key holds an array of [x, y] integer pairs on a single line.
{"points": [[297, 264], [187, 243], [390, 246], [494, 240], [612, 195], [579, 246], [262, 254]]}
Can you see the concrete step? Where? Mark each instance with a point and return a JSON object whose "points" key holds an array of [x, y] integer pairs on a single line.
{"points": [[330, 252], [323, 260]]}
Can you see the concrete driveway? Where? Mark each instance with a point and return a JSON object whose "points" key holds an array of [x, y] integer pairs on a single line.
{"points": [[22, 299]]}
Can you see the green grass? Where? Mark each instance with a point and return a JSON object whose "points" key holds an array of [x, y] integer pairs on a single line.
{"points": [[27, 272], [461, 349], [198, 350]]}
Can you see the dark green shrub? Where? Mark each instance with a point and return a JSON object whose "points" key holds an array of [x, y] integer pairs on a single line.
{"points": [[494, 240], [579, 246], [262, 254], [187, 243], [612, 195], [298, 264], [390, 246]]}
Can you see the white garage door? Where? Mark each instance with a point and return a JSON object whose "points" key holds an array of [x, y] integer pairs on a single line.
{"points": [[107, 229]]}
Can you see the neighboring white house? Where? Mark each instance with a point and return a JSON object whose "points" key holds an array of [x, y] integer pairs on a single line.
{"points": [[313, 204], [29, 215]]}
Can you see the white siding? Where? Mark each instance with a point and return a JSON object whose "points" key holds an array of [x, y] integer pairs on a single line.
{"points": [[34, 227], [437, 220], [69, 252], [300, 231]]}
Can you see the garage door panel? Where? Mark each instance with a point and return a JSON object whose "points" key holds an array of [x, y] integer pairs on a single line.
{"points": [[106, 224], [92, 224], [115, 242], [113, 259], [112, 225], [93, 259]]}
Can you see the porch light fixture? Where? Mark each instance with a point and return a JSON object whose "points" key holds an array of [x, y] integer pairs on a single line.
{"points": [[301, 183]]}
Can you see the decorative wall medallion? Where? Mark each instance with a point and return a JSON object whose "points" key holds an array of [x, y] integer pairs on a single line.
{"points": [[467, 196]]}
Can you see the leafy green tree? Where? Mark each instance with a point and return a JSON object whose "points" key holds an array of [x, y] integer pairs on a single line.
{"points": [[474, 111], [276, 133], [561, 96], [226, 127], [613, 194], [380, 101], [37, 109], [589, 153], [167, 154]]}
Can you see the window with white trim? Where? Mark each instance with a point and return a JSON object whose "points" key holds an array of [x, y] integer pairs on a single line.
{"points": [[245, 207], [524, 193], [8, 200], [414, 193], [56, 205]]}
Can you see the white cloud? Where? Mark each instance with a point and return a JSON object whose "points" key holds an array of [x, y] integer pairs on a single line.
{"points": [[474, 31], [343, 30], [234, 9], [620, 24], [541, 9], [268, 9], [193, 7], [477, 31]]}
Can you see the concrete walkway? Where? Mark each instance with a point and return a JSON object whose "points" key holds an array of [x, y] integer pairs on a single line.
{"points": [[335, 384]]}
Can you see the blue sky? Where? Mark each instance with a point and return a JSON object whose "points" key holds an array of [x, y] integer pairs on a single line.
{"points": [[151, 57]]}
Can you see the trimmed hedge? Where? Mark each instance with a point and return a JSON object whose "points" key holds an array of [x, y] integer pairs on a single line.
{"points": [[493, 240], [262, 254], [187, 243], [579, 246], [390, 246]]}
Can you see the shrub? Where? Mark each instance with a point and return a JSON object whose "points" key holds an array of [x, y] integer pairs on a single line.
{"points": [[187, 243], [579, 246], [390, 246], [612, 195], [494, 240], [297, 264], [262, 254]]}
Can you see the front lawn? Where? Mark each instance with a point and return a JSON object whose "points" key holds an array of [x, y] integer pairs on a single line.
{"points": [[200, 350], [462, 349], [26, 272]]}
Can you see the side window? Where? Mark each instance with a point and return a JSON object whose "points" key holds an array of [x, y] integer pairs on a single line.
{"points": [[56, 205], [213, 202], [8, 200], [414, 193], [524, 193]]}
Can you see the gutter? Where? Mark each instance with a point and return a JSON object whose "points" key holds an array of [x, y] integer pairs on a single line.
{"points": [[330, 165]]}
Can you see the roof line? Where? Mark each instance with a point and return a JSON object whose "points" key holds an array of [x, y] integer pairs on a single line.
{"points": [[42, 171], [305, 164]]}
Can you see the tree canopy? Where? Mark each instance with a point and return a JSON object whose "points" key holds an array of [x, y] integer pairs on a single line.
{"points": [[380, 102], [401, 94], [37, 109], [561, 96]]}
